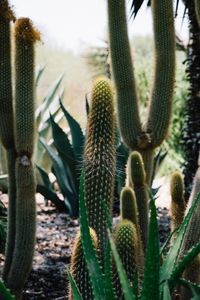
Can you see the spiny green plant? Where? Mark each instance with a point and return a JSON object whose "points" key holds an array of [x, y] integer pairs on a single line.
{"points": [[99, 159], [197, 10], [178, 204], [126, 241], [147, 137], [137, 180], [17, 135], [192, 236], [79, 269]]}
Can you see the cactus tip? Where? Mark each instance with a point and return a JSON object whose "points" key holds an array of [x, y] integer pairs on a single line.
{"points": [[6, 11], [25, 30]]}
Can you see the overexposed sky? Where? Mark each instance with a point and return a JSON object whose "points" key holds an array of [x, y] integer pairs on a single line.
{"points": [[75, 24]]}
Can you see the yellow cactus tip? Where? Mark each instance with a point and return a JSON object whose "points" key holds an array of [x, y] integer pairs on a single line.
{"points": [[25, 30], [6, 11]]}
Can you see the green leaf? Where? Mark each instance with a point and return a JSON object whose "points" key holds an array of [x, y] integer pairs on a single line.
{"points": [[108, 273], [172, 256], [39, 73], [195, 288], [152, 258], [179, 269], [66, 152], [87, 106], [95, 273], [75, 290], [52, 196], [45, 177], [167, 241], [49, 97], [127, 291], [62, 179], [5, 293], [166, 292], [78, 138]]}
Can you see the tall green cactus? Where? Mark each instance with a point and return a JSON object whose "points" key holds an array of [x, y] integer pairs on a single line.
{"points": [[137, 180], [25, 37], [99, 160], [197, 10], [6, 122], [78, 267], [178, 204], [147, 137], [126, 241]]}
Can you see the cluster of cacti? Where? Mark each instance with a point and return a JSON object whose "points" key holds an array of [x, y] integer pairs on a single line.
{"points": [[143, 138], [17, 136]]}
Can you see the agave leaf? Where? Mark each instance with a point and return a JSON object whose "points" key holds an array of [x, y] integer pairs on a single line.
{"points": [[127, 291], [52, 196], [66, 153], [87, 106], [152, 258], [172, 256], [78, 138], [5, 293], [75, 290], [195, 288], [39, 73], [59, 169], [166, 292], [179, 269], [49, 97], [45, 177], [95, 273], [167, 241]]}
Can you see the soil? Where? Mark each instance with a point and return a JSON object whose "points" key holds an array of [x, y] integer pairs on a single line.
{"points": [[55, 235]]}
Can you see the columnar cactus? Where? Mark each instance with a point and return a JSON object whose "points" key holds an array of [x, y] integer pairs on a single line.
{"points": [[25, 36], [197, 10], [137, 180], [99, 160], [126, 241], [6, 122], [137, 137], [178, 204], [192, 236], [78, 267]]}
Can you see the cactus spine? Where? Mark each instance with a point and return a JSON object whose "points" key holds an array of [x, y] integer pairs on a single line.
{"points": [[7, 132], [137, 179], [78, 267], [137, 137], [126, 241], [99, 160], [178, 204]]}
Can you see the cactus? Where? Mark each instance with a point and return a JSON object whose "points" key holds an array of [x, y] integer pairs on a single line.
{"points": [[25, 36], [137, 137], [126, 241], [78, 267], [137, 179], [178, 204], [192, 237], [99, 160], [197, 10], [7, 132], [129, 211]]}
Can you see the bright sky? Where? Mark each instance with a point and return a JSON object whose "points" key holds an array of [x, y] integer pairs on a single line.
{"points": [[75, 24]]}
